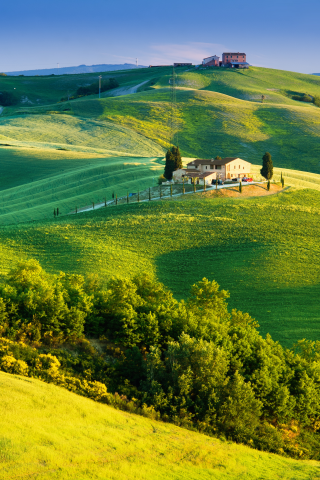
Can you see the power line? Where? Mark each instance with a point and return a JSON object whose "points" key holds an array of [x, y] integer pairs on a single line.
{"points": [[172, 117]]}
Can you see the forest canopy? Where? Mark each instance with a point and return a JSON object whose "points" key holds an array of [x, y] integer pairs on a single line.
{"points": [[193, 362]]}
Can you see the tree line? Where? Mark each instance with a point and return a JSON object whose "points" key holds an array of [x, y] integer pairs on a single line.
{"points": [[191, 362]]}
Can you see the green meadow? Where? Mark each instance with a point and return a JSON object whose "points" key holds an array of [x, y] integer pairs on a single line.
{"points": [[264, 250], [50, 433]]}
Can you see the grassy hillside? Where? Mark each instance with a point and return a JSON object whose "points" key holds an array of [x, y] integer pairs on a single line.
{"points": [[50, 433], [80, 180], [218, 113], [264, 250]]}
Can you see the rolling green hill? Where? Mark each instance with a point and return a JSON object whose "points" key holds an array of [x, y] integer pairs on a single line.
{"points": [[68, 181], [50, 433], [264, 250], [218, 113]]}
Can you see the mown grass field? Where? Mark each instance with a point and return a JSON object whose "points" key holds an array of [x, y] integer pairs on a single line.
{"points": [[264, 250], [50, 433], [67, 181], [218, 111]]}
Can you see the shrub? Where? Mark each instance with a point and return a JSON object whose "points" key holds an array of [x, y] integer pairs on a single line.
{"points": [[7, 99]]}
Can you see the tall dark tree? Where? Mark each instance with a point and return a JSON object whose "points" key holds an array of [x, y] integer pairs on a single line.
{"points": [[267, 166], [170, 165], [177, 158]]}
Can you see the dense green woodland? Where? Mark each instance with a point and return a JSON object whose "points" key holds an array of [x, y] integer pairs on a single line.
{"points": [[190, 362]]}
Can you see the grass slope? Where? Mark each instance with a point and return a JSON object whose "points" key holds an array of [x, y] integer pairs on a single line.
{"points": [[218, 114], [86, 179], [50, 433], [264, 250]]}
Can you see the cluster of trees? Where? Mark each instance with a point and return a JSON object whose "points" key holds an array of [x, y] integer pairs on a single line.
{"points": [[8, 98], [191, 362], [106, 84]]}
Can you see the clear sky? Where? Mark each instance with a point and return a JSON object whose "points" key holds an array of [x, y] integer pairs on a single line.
{"points": [[282, 34]]}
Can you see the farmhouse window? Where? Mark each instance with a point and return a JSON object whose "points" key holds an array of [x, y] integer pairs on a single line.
{"points": [[231, 175], [211, 167], [218, 167], [239, 167], [235, 166], [206, 167]]}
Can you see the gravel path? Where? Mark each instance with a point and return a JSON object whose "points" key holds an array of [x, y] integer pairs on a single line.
{"points": [[126, 90]]}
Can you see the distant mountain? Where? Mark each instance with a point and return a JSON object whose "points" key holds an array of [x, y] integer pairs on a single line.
{"points": [[316, 74], [73, 70]]}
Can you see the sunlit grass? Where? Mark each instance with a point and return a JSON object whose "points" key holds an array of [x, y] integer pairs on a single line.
{"points": [[50, 433]]}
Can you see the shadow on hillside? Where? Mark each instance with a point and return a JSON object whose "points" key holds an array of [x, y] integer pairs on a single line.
{"points": [[288, 314]]}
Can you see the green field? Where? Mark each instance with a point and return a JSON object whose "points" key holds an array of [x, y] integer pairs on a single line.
{"points": [[50, 433], [265, 250]]}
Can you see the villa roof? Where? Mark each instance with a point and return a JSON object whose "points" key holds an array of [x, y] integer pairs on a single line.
{"points": [[211, 161]]}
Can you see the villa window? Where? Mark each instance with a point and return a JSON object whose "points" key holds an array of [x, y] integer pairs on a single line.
{"points": [[211, 167]]}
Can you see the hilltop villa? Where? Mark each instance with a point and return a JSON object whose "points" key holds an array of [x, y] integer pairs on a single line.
{"points": [[209, 171], [229, 59]]}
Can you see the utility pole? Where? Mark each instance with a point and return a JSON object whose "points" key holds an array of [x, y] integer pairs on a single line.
{"points": [[99, 84]]}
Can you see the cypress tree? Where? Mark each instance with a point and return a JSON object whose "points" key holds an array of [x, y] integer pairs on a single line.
{"points": [[267, 166], [138, 196], [268, 185], [281, 178], [92, 205], [105, 201], [240, 187], [116, 200], [149, 194], [282, 182], [127, 197], [183, 189], [170, 165], [54, 213], [76, 209], [177, 158]]}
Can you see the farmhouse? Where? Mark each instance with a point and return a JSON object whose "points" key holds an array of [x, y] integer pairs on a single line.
{"points": [[211, 61], [208, 171], [236, 60], [229, 59]]}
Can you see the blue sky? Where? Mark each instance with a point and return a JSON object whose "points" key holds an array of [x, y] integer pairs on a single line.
{"points": [[282, 34]]}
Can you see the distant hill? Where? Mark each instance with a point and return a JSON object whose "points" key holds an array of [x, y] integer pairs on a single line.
{"points": [[72, 70], [316, 74]]}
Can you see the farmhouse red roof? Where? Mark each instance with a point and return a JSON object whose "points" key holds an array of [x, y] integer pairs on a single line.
{"points": [[224, 161]]}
